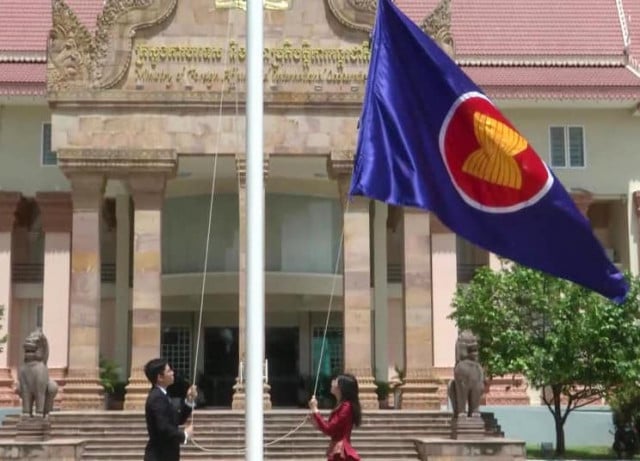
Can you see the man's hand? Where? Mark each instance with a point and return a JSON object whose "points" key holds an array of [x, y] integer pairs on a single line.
{"points": [[192, 394], [188, 430]]}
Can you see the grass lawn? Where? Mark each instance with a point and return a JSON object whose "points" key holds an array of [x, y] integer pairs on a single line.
{"points": [[534, 452]]}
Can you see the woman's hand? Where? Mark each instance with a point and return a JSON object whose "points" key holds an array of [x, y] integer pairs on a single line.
{"points": [[313, 404]]}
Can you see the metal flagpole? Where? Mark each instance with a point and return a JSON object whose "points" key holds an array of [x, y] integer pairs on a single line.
{"points": [[254, 336]]}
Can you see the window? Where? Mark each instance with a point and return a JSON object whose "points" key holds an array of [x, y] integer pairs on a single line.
{"points": [[48, 157], [175, 345], [566, 145]]}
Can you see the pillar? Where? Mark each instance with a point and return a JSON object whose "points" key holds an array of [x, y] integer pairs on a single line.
{"points": [[8, 207], [56, 210], [444, 281], [147, 191], [123, 276], [238, 401], [82, 389], [420, 388], [380, 291], [356, 280]]}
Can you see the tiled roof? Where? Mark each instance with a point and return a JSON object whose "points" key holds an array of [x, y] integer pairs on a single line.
{"points": [[573, 48], [632, 10], [529, 27], [608, 83], [24, 25]]}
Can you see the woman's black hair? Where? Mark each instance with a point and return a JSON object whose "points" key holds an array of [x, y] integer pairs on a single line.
{"points": [[348, 385]]}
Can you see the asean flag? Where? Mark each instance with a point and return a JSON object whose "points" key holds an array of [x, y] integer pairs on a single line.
{"points": [[429, 138]]}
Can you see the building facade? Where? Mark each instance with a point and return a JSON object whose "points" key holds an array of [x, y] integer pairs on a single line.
{"points": [[122, 132]]}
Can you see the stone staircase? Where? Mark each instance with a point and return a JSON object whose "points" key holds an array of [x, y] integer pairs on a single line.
{"points": [[121, 435]]}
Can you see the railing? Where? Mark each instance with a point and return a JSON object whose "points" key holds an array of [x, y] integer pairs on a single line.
{"points": [[34, 273]]}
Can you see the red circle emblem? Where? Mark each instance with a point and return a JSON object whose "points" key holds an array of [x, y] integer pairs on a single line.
{"points": [[492, 166]]}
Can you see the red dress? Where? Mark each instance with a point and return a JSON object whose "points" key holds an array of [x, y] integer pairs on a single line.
{"points": [[339, 429]]}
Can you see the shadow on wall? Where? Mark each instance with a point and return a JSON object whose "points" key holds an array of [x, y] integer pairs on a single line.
{"points": [[590, 426]]}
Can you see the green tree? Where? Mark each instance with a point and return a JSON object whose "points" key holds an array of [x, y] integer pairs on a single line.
{"points": [[563, 338]]}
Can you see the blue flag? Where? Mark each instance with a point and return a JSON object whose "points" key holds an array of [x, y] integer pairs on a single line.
{"points": [[429, 138]]}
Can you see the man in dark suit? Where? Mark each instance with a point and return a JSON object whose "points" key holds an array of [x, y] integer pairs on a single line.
{"points": [[163, 420]]}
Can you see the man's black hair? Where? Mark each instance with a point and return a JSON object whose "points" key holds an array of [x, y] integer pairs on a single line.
{"points": [[153, 368]]}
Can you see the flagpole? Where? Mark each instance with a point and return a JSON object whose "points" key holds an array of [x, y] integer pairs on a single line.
{"points": [[254, 337]]}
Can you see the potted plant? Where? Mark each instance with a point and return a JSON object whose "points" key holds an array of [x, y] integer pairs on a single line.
{"points": [[382, 390], [114, 387]]}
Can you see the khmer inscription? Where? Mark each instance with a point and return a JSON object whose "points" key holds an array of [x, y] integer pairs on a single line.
{"points": [[202, 67]]}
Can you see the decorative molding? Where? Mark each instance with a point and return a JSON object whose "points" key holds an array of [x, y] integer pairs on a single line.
{"points": [[116, 28], [79, 60], [69, 50], [118, 163], [354, 14], [438, 26]]}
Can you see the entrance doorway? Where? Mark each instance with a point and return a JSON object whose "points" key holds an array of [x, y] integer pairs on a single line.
{"points": [[281, 349], [221, 365]]}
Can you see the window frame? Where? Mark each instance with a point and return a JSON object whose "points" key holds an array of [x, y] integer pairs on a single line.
{"points": [[567, 147]]}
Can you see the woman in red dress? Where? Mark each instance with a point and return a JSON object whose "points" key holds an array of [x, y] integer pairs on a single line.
{"points": [[344, 416]]}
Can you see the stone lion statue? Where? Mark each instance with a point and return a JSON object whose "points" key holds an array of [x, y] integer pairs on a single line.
{"points": [[34, 386], [467, 386]]}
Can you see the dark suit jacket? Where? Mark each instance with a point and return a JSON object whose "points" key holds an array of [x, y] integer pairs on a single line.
{"points": [[339, 429], [163, 420]]}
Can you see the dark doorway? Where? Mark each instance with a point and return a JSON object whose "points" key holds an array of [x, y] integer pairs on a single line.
{"points": [[220, 365], [281, 349]]}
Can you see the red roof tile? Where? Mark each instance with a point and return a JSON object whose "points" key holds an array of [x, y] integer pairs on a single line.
{"points": [[23, 72], [608, 83], [24, 25], [529, 28]]}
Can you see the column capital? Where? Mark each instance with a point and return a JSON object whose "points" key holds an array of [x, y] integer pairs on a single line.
{"points": [[582, 198], [241, 168], [340, 163], [56, 210], [147, 190], [87, 190], [8, 207]]}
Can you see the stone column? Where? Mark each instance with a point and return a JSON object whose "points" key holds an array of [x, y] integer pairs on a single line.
{"points": [[420, 388], [82, 389], [444, 280], [8, 207], [123, 290], [238, 402], [148, 197], [380, 292], [356, 280], [56, 211]]}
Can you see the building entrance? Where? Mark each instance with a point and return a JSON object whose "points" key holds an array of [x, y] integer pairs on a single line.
{"points": [[221, 365]]}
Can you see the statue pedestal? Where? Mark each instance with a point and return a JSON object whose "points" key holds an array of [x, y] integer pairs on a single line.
{"points": [[467, 428], [58, 449], [488, 449], [33, 428]]}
